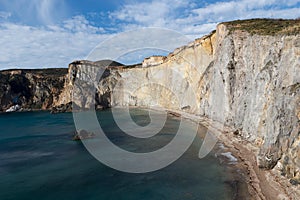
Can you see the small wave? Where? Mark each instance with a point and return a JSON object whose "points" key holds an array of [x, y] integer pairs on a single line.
{"points": [[230, 157], [23, 155], [221, 146]]}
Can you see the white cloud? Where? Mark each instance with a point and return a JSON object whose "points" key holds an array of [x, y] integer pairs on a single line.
{"points": [[138, 42], [45, 9], [4, 15], [81, 24], [193, 20], [153, 13], [161, 13], [157, 13], [225, 11], [36, 11], [53, 46]]}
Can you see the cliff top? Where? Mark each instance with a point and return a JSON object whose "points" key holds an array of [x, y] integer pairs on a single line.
{"points": [[47, 72], [110, 64], [99, 63], [266, 26]]}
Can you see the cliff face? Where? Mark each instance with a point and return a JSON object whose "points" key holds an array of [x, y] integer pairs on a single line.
{"points": [[77, 89], [262, 85], [31, 89], [261, 76], [248, 80]]}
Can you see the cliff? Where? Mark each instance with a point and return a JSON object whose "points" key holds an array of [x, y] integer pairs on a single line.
{"points": [[246, 75], [31, 89]]}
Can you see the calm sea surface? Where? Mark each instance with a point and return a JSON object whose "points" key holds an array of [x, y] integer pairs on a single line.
{"points": [[39, 160]]}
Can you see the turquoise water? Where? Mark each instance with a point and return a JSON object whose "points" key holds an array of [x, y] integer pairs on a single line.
{"points": [[39, 160]]}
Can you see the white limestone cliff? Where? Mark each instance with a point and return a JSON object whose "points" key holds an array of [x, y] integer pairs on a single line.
{"points": [[246, 80]]}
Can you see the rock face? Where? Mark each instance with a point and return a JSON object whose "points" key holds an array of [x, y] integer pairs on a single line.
{"points": [[247, 79], [153, 60], [31, 89], [261, 76], [79, 92]]}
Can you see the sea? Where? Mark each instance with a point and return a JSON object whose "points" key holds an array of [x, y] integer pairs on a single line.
{"points": [[40, 160]]}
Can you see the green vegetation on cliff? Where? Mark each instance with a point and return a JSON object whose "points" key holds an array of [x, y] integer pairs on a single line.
{"points": [[266, 26]]}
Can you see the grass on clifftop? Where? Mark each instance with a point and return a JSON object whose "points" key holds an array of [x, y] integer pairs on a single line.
{"points": [[266, 26]]}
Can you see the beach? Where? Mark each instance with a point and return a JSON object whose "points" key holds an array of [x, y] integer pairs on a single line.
{"points": [[262, 184]]}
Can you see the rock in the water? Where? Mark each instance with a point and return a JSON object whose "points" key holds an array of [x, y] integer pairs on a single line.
{"points": [[62, 108], [83, 134]]}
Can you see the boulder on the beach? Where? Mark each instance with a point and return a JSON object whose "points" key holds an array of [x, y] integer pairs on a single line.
{"points": [[294, 181]]}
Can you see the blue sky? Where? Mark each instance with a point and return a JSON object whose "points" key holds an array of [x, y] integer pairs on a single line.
{"points": [[53, 33]]}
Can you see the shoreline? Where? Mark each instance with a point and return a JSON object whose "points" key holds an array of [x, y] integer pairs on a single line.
{"points": [[262, 184]]}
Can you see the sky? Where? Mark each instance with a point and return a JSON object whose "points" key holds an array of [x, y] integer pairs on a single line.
{"points": [[53, 33]]}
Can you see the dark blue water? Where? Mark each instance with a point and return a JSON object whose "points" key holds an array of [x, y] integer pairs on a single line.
{"points": [[39, 160]]}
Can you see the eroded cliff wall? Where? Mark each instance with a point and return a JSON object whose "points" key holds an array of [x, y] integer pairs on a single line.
{"points": [[31, 89], [250, 82]]}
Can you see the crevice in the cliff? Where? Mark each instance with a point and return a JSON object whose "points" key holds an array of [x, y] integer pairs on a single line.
{"points": [[231, 67], [211, 44]]}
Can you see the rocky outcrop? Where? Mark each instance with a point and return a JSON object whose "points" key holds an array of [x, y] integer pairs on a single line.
{"points": [[246, 75], [86, 95], [153, 60], [30, 89], [83, 134]]}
